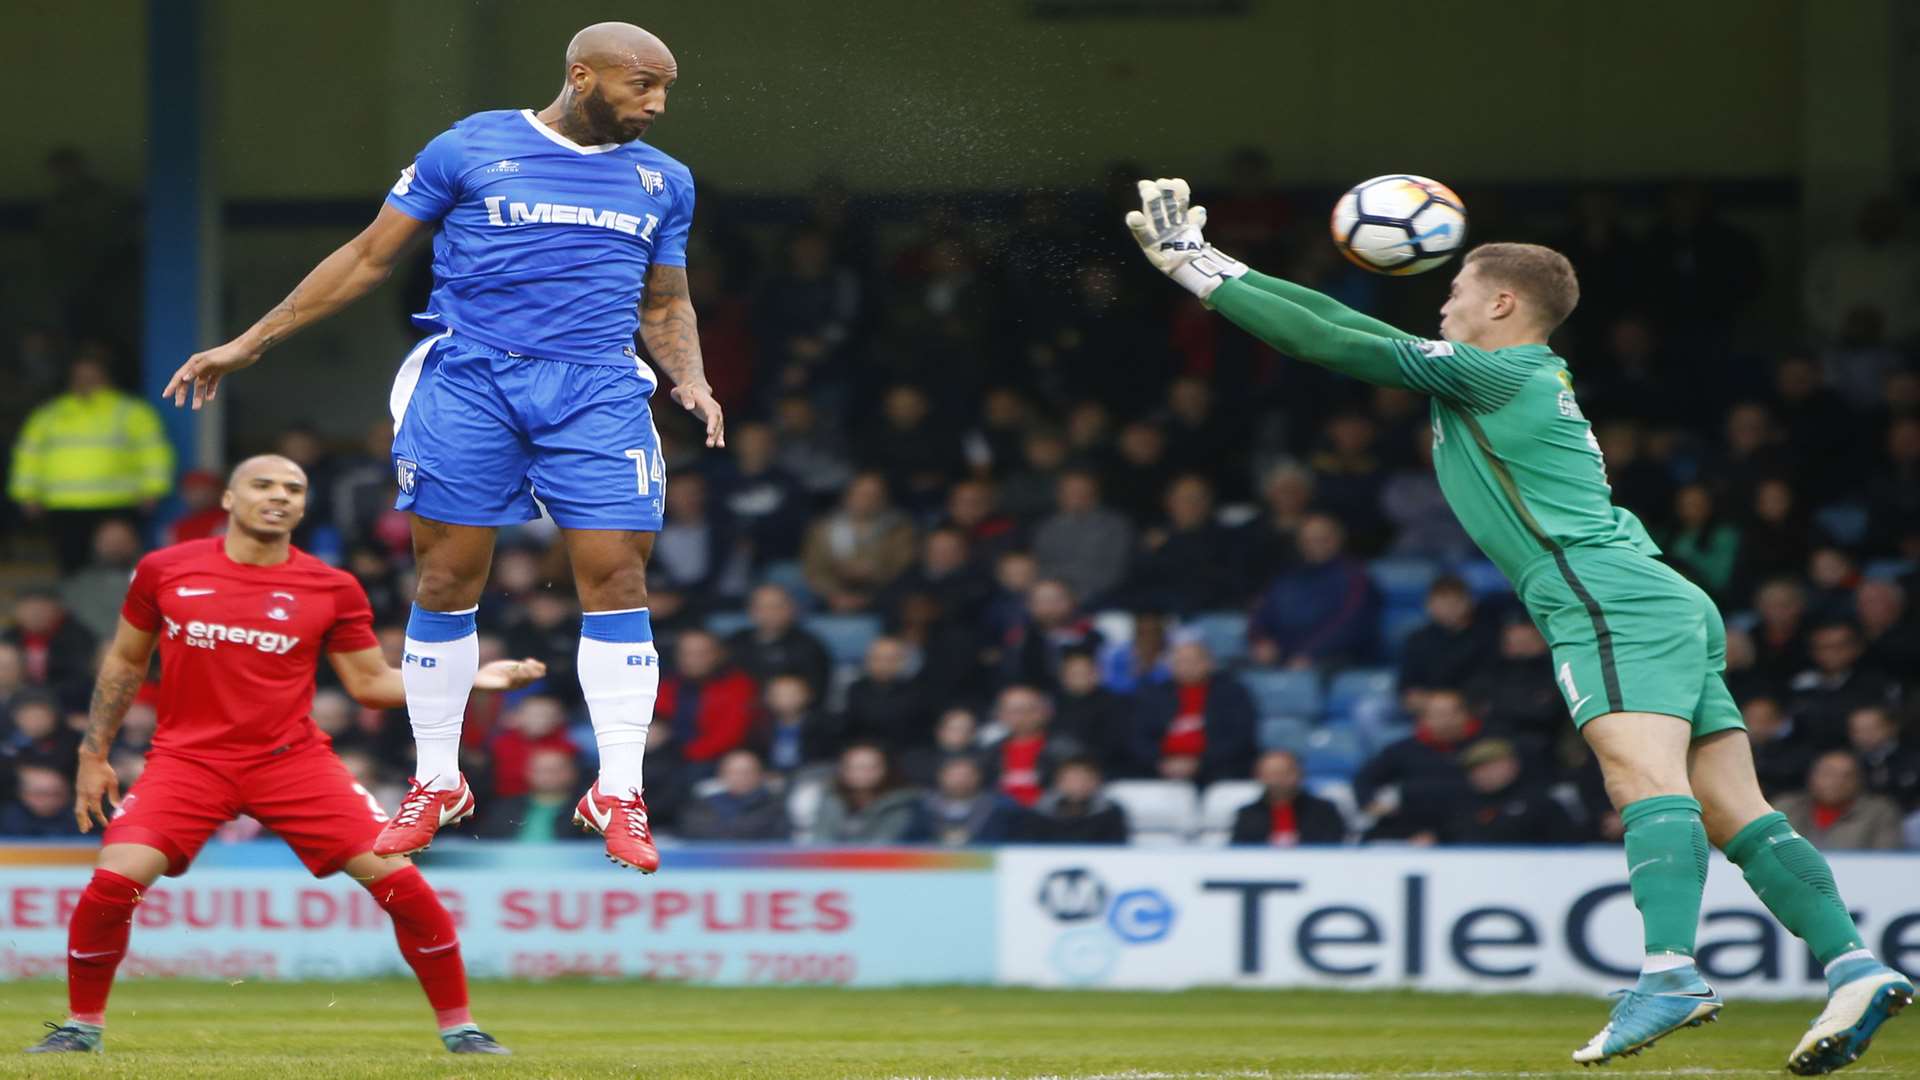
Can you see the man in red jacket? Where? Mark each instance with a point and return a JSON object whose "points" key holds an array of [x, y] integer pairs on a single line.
{"points": [[710, 703]]}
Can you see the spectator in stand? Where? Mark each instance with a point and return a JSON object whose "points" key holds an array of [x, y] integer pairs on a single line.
{"points": [[710, 703], [809, 450], [912, 448], [946, 651], [202, 515], [1142, 661], [1744, 678], [962, 811], [1775, 540], [1836, 685], [776, 644], [548, 624], [1411, 784], [1502, 805], [1027, 752], [43, 807], [768, 505], [13, 681], [1285, 815], [1053, 624], [1892, 640], [1888, 766], [1075, 811], [1031, 493], [1083, 543], [1639, 483], [90, 454], [1753, 451], [856, 551], [94, 594], [1323, 612], [56, 649], [744, 809], [887, 705], [1780, 638], [971, 508], [1833, 574], [867, 803], [1836, 814], [946, 572], [1453, 648], [1190, 563], [1140, 471], [1202, 437], [793, 732], [1516, 695], [1893, 490], [1198, 726], [362, 484], [1420, 521], [1349, 477], [37, 737], [993, 444], [669, 777], [695, 552], [1273, 539], [1014, 575], [543, 812], [1781, 757], [1823, 434], [955, 734], [537, 723], [1097, 719], [1705, 547]]}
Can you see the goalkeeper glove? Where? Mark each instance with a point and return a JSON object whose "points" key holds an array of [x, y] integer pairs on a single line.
{"points": [[1168, 231]]}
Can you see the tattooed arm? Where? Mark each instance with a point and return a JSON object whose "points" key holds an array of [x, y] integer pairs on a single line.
{"points": [[352, 271], [671, 332], [121, 674]]}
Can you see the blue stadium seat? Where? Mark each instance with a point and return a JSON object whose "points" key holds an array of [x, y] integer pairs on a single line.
{"points": [[726, 623], [1846, 523], [1483, 578], [1334, 750], [1403, 582], [790, 576], [1396, 626], [1360, 687], [1224, 633], [845, 636], [1283, 693], [1285, 733]]}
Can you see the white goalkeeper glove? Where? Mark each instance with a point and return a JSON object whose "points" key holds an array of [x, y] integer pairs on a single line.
{"points": [[1168, 230]]}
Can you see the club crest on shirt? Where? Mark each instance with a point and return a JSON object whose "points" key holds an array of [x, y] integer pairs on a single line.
{"points": [[652, 181], [404, 473], [280, 606]]}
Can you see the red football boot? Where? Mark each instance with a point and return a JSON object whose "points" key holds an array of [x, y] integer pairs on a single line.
{"points": [[421, 814], [624, 823]]}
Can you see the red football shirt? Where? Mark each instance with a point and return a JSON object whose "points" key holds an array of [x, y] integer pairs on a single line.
{"points": [[239, 644]]}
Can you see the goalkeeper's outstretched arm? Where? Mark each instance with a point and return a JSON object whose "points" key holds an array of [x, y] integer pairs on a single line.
{"points": [[1325, 306], [1296, 331]]}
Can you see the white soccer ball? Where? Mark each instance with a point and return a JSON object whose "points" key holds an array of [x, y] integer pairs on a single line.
{"points": [[1399, 224]]}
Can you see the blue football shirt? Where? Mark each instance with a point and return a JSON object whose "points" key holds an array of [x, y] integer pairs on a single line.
{"points": [[544, 244]]}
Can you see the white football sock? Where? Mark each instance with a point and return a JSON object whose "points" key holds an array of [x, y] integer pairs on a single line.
{"points": [[1665, 961], [442, 657], [1855, 954], [620, 676]]}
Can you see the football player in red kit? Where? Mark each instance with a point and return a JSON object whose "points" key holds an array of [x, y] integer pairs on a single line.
{"points": [[241, 622]]}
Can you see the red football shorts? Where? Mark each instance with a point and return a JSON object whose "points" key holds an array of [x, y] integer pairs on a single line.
{"points": [[305, 796]]}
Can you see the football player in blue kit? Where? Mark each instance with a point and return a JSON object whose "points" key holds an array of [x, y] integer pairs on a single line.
{"points": [[557, 235]]}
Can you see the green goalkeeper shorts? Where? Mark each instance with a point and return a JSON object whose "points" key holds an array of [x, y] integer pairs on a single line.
{"points": [[1629, 634]]}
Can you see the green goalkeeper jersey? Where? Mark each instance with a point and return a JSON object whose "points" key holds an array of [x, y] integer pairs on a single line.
{"points": [[1515, 457]]}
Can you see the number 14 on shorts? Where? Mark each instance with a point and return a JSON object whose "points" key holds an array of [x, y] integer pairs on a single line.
{"points": [[650, 469]]}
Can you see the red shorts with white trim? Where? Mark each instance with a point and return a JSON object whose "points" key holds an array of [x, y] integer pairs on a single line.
{"points": [[306, 797]]}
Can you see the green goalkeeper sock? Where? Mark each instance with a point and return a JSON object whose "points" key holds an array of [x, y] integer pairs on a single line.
{"points": [[1666, 869], [1792, 878]]}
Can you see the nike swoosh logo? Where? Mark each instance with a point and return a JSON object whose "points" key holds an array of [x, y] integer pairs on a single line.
{"points": [[1702, 994], [600, 818], [78, 955], [184, 591], [426, 950], [1575, 707], [1632, 870]]}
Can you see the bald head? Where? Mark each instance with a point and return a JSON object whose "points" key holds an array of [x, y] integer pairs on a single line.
{"points": [[617, 80], [266, 497], [616, 44], [263, 463]]}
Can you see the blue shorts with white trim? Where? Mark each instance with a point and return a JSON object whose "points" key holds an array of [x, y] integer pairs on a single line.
{"points": [[479, 434]]}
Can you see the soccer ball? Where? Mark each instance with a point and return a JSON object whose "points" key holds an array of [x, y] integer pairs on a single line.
{"points": [[1399, 224]]}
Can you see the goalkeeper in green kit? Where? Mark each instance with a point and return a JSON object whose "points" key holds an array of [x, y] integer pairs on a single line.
{"points": [[1637, 649]]}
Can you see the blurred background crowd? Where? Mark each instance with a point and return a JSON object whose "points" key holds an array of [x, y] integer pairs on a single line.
{"points": [[1012, 542]]}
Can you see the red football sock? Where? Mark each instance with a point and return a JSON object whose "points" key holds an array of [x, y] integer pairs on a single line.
{"points": [[97, 941], [427, 941]]}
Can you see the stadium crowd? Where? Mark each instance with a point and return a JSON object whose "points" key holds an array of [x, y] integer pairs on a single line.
{"points": [[1011, 543]]}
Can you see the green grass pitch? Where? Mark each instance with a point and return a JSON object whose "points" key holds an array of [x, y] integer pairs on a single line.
{"points": [[382, 1029]]}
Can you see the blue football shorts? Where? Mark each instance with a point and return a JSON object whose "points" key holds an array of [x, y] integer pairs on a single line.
{"points": [[480, 434]]}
